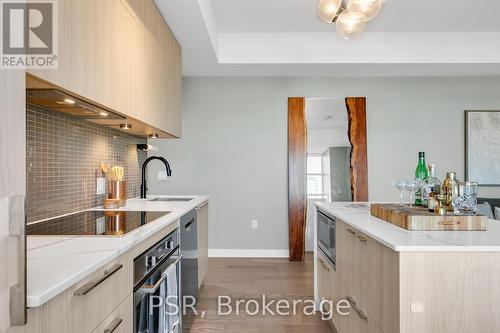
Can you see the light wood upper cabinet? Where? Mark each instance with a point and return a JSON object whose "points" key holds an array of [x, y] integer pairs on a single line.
{"points": [[158, 83], [102, 37], [120, 54]]}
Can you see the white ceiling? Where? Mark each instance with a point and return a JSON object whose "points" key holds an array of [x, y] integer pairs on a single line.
{"points": [[286, 38], [240, 16]]}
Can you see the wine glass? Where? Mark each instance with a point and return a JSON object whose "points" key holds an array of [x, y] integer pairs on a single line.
{"points": [[412, 187], [400, 185]]}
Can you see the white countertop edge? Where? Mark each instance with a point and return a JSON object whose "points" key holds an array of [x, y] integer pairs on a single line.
{"points": [[437, 238], [39, 297]]}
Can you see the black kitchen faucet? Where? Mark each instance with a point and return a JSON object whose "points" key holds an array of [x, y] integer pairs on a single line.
{"points": [[144, 189]]}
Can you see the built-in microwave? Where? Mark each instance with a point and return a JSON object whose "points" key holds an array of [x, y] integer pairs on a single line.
{"points": [[326, 235]]}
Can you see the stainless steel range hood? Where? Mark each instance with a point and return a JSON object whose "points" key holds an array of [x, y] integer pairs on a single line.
{"points": [[60, 101]]}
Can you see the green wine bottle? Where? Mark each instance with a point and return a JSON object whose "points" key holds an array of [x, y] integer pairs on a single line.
{"points": [[421, 173]]}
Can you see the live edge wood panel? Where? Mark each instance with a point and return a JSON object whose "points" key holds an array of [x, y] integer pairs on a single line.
{"points": [[297, 157], [120, 54], [297, 150], [356, 112]]}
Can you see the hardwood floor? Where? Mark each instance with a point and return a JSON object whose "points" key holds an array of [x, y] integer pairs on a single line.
{"points": [[250, 279]]}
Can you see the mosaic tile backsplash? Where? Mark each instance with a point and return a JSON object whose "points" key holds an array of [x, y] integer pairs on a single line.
{"points": [[63, 161]]}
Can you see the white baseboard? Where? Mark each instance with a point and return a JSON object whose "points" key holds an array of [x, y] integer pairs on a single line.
{"points": [[247, 253]]}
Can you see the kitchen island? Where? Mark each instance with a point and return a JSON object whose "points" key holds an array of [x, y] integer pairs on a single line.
{"points": [[406, 281], [59, 265]]}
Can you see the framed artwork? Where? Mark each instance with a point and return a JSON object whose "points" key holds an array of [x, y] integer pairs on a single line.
{"points": [[482, 147]]}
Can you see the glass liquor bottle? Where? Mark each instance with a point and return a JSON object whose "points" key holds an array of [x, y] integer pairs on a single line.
{"points": [[421, 173], [429, 183]]}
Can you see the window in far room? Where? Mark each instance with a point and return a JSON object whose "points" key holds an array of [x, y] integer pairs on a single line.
{"points": [[314, 177]]}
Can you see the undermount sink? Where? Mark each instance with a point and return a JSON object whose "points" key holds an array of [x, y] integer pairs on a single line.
{"points": [[171, 199]]}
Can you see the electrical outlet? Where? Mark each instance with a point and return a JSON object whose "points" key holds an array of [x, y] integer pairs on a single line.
{"points": [[255, 224], [100, 186], [162, 175]]}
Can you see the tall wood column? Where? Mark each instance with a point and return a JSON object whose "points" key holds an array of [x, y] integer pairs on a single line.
{"points": [[297, 197]]}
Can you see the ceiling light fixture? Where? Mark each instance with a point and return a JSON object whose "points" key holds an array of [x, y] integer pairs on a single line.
{"points": [[329, 10], [368, 8], [350, 24], [125, 126], [153, 136], [104, 114], [69, 101], [350, 16]]}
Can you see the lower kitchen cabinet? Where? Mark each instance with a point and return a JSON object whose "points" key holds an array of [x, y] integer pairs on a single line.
{"points": [[359, 320], [93, 304], [202, 220], [93, 300], [120, 320], [371, 272], [368, 277], [83, 306], [410, 292], [324, 271]]}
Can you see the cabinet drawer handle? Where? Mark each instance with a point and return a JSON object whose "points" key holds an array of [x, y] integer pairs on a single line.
{"points": [[361, 314], [360, 238], [189, 224], [89, 286], [151, 289], [324, 264], [449, 223], [113, 325]]}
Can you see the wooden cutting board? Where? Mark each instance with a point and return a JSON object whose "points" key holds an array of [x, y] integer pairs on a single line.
{"points": [[418, 218]]}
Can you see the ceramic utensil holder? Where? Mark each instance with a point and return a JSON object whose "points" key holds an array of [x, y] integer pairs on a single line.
{"points": [[118, 190]]}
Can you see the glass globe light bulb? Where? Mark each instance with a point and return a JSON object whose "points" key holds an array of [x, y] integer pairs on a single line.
{"points": [[350, 24], [328, 9], [369, 8]]}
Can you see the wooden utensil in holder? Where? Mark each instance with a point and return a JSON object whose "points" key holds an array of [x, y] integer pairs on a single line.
{"points": [[118, 190]]}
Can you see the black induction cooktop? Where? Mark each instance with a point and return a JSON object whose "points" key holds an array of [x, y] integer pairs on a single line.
{"points": [[94, 223]]}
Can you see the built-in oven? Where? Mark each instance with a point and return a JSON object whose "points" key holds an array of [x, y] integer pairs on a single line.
{"points": [[157, 288], [325, 230]]}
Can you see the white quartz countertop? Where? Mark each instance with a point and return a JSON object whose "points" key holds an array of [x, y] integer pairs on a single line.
{"points": [[55, 263], [358, 216]]}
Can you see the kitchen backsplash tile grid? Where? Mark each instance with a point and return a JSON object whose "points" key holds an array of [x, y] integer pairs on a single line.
{"points": [[63, 162]]}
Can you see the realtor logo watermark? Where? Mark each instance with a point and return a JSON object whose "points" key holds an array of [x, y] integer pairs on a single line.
{"points": [[263, 306], [29, 34]]}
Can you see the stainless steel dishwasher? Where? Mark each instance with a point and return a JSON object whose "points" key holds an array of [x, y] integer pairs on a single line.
{"points": [[189, 267]]}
